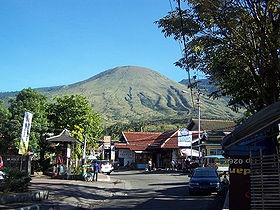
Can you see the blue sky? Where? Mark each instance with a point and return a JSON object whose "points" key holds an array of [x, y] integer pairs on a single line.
{"points": [[59, 42]]}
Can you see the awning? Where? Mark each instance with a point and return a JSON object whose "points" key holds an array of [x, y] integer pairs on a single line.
{"points": [[215, 156], [247, 133], [189, 152]]}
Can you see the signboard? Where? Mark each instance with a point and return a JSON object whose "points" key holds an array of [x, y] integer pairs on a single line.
{"points": [[68, 152], [239, 176], [23, 145], [107, 142], [184, 138], [113, 150], [127, 154]]}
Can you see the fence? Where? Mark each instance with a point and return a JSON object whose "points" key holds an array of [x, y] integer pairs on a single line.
{"points": [[265, 182]]}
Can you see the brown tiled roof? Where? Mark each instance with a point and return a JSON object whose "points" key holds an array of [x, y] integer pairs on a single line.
{"points": [[212, 125]]}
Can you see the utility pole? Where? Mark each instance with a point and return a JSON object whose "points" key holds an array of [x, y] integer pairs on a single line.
{"points": [[84, 150], [198, 103]]}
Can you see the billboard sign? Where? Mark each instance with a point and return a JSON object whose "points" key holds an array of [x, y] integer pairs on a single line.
{"points": [[23, 145], [184, 138]]}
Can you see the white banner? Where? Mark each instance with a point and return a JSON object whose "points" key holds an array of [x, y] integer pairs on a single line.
{"points": [[23, 145]]}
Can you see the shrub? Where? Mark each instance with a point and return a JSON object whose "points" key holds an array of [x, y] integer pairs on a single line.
{"points": [[15, 181]]}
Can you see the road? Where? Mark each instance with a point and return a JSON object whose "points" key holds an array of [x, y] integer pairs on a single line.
{"points": [[134, 189], [161, 190]]}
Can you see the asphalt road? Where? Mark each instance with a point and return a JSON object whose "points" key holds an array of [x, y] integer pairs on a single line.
{"points": [[161, 190], [134, 189]]}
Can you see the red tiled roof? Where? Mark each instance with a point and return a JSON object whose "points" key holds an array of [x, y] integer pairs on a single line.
{"points": [[148, 140], [139, 141], [141, 137]]}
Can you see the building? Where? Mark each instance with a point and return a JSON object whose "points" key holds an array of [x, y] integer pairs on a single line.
{"points": [[138, 148], [212, 134], [253, 149], [174, 146]]}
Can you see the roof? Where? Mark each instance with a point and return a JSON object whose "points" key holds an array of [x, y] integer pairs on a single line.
{"points": [[148, 140], [140, 137], [64, 136], [247, 132], [151, 140], [137, 140], [213, 137], [212, 125], [171, 139], [167, 139]]}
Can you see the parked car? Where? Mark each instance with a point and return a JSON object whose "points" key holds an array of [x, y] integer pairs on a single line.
{"points": [[105, 166], [205, 180]]}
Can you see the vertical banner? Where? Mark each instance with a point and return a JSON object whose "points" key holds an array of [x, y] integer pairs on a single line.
{"points": [[23, 145]]}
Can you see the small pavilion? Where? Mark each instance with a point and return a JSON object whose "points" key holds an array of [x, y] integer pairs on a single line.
{"points": [[63, 143]]}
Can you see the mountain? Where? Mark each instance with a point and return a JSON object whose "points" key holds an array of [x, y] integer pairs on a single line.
{"points": [[204, 85], [131, 93]]}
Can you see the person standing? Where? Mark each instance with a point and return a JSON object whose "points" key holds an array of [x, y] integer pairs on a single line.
{"points": [[95, 170], [173, 164], [150, 164]]}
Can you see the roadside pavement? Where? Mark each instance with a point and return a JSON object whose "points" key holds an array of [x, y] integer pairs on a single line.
{"points": [[71, 194]]}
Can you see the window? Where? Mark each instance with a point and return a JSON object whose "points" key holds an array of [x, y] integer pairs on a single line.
{"points": [[216, 151]]}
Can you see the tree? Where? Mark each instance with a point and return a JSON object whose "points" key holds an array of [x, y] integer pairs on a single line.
{"points": [[74, 113], [234, 42], [28, 100], [4, 127]]}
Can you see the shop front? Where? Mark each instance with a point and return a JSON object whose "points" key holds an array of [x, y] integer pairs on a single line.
{"points": [[142, 159], [126, 157]]}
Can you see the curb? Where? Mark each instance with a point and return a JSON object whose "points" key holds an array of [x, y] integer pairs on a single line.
{"points": [[226, 203], [37, 195], [40, 206]]}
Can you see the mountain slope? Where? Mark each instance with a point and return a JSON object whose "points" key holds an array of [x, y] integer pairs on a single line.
{"points": [[127, 93]]}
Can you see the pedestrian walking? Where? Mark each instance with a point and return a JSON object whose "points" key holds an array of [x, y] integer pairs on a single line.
{"points": [[95, 171]]}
